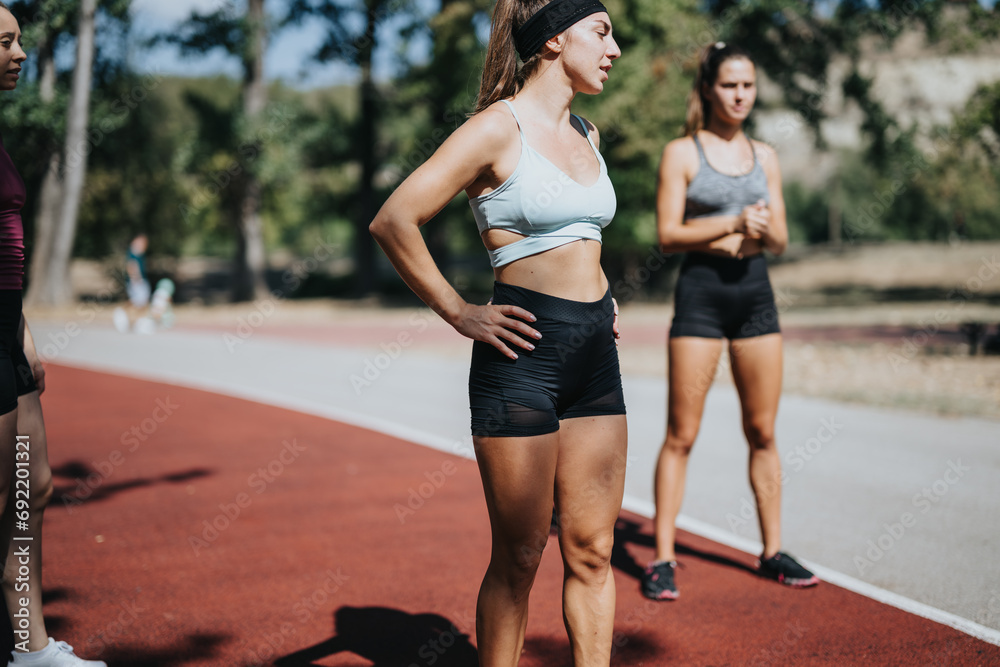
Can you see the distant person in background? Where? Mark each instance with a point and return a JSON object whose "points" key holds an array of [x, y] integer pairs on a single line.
{"points": [[20, 411], [137, 289], [719, 200]]}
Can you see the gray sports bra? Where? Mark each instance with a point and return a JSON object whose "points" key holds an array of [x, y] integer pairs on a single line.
{"points": [[713, 193], [544, 205]]}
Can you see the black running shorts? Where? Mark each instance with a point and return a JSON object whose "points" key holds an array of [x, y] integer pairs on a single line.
{"points": [[16, 378], [723, 297], [572, 372]]}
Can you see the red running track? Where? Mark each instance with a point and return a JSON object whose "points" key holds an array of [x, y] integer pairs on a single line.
{"points": [[190, 528]]}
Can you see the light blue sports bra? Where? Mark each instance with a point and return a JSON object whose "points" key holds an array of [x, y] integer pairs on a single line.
{"points": [[544, 205]]}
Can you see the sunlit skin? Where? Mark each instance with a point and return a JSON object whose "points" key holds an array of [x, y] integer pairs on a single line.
{"points": [[756, 362], [730, 100], [522, 477], [578, 60], [477, 158], [731, 97], [11, 51]]}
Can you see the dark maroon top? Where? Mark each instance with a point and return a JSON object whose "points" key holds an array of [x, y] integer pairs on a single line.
{"points": [[12, 197]]}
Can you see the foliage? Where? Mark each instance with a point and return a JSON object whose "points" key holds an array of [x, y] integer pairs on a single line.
{"points": [[306, 149]]}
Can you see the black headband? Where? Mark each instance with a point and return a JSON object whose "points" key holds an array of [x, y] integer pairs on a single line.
{"points": [[549, 21]]}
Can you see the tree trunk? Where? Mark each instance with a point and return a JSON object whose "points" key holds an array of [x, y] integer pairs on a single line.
{"points": [[250, 264], [54, 287], [51, 190], [364, 245], [834, 215]]}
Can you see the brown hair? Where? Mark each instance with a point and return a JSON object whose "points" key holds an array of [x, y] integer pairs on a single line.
{"points": [[501, 75], [698, 106]]}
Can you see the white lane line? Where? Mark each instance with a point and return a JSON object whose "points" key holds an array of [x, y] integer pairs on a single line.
{"points": [[708, 531], [638, 506]]}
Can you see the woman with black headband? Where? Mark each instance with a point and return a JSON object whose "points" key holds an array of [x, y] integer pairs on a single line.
{"points": [[548, 415], [719, 199]]}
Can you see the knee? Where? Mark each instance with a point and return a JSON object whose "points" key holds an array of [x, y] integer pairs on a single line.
{"points": [[41, 492], [760, 433], [518, 564], [589, 558], [680, 441]]}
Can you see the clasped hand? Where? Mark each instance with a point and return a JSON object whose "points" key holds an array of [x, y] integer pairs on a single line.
{"points": [[755, 220]]}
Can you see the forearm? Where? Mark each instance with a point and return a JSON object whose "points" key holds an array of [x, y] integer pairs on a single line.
{"points": [[405, 247], [774, 244], [720, 244], [698, 233]]}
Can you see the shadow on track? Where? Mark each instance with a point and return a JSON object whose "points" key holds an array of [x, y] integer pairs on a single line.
{"points": [[628, 532], [390, 638], [90, 484]]}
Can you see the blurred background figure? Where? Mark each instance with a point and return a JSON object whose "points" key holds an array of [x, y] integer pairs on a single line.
{"points": [[137, 288], [720, 201]]}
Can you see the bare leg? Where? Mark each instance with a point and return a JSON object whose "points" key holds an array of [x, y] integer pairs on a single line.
{"points": [[757, 372], [590, 482], [518, 479], [8, 435], [691, 368], [30, 423]]}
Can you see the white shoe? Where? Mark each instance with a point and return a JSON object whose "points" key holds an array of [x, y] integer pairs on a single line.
{"points": [[56, 654], [121, 319]]}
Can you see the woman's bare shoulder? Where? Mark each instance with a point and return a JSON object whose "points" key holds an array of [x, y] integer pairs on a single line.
{"points": [[681, 153], [493, 127], [765, 154]]}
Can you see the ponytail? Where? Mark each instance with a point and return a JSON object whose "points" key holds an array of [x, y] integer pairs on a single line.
{"points": [[501, 76], [698, 106]]}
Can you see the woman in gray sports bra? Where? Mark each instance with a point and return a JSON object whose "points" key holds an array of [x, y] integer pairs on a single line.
{"points": [[719, 200], [547, 407]]}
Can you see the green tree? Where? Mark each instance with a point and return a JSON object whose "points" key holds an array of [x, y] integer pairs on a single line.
{"points": [[50, 266], [434, 98], [244, 37], [355, 28]]}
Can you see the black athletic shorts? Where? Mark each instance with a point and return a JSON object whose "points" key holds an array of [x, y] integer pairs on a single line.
{"points": [[16, 378], [572, 372], [723, 297]]}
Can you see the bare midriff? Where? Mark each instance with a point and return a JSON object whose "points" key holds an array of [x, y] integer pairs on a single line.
{"points": [[571, 271]]}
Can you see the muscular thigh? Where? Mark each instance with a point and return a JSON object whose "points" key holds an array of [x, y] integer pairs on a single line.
{"points": [[757, 373], [691, 369], [590, 475], [518, 477]]}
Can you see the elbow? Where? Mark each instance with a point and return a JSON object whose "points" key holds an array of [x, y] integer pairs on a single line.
{"points": [[666, 243], [379, 228], [669, 245]]}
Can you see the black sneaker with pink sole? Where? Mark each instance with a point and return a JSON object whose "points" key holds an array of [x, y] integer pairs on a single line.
{"points": [[658, 581], [786, 570]]}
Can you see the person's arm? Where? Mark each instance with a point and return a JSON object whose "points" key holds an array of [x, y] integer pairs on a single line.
{"points": [[31, 354], [775, 237], [467, 155]]}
